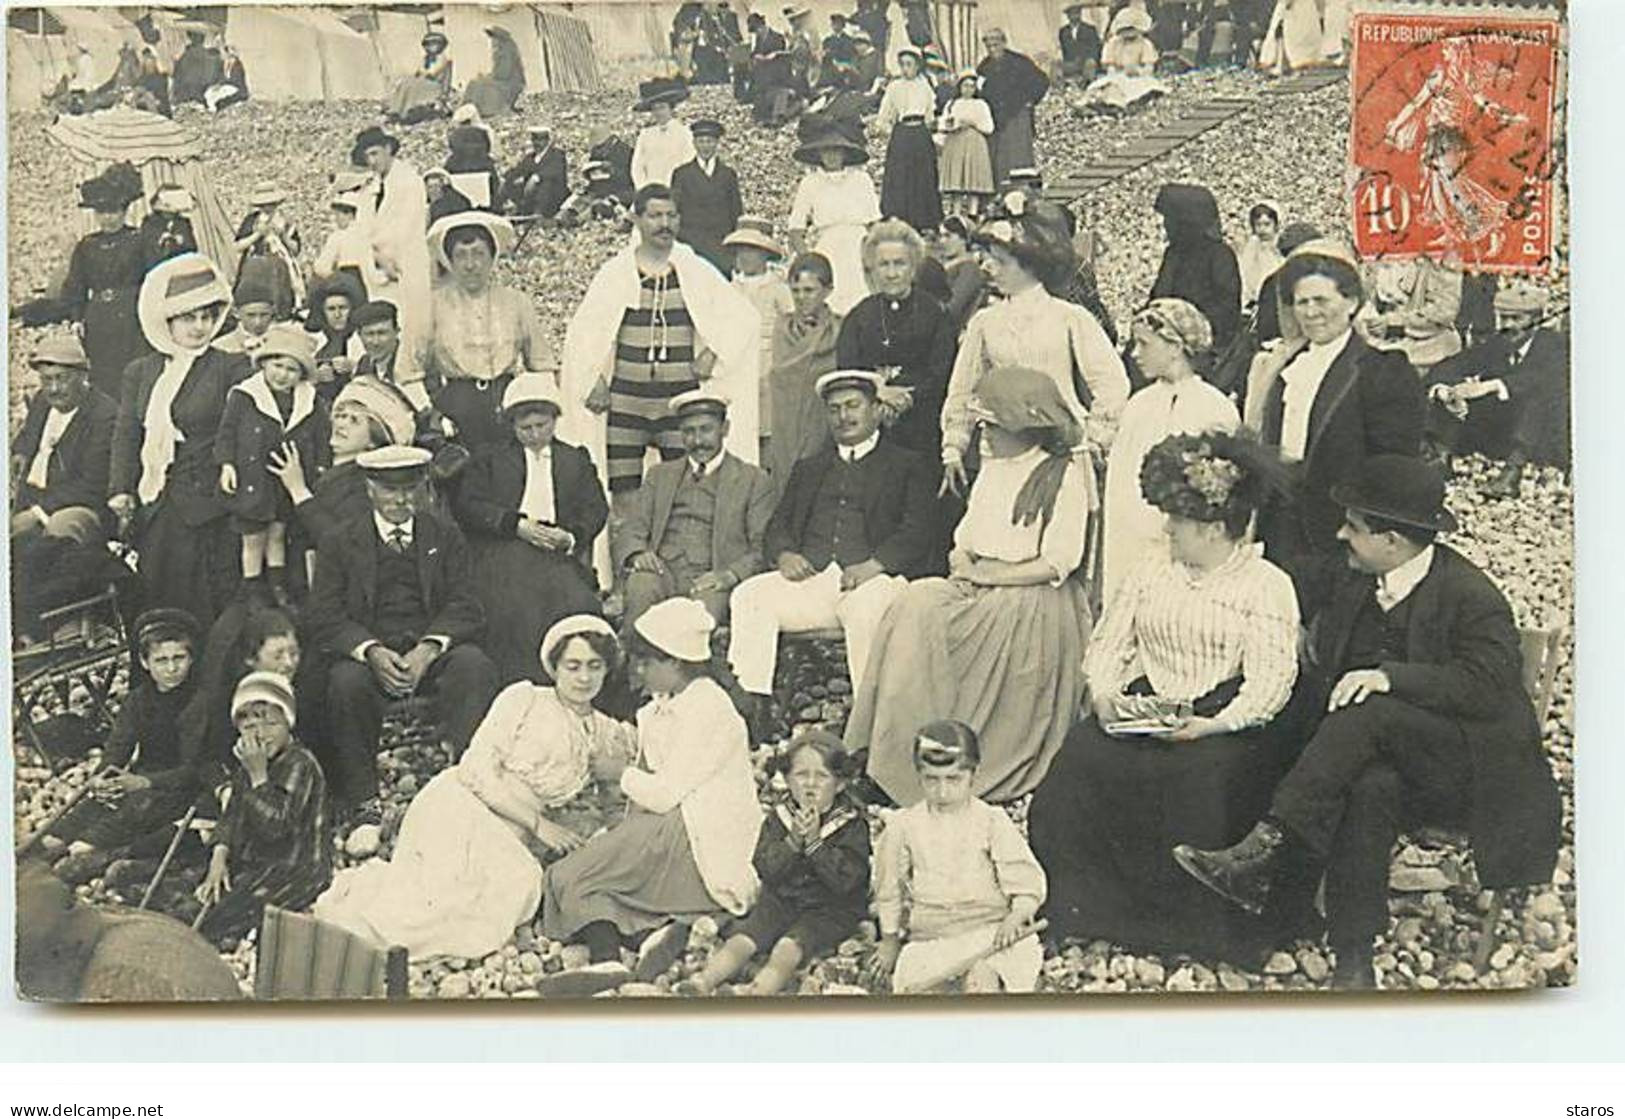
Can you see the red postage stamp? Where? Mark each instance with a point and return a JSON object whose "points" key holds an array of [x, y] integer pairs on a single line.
{"points": [[1452, 152]]}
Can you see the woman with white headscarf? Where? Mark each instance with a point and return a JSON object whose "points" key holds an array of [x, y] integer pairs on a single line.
{"points": [[163, 480]]}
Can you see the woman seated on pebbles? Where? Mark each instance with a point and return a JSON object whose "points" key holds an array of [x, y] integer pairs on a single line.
{"points": [[1191, 662], [463, 875], [685, 847]]}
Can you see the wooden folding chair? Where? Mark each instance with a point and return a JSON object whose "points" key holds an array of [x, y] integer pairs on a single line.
{"points": [[301, 957]]}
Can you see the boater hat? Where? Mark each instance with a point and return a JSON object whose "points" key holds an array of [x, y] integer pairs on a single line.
{"points": [[754, 233], [699, 400], [267, 194], [395, 466], [1398, 488], [864, 379]]}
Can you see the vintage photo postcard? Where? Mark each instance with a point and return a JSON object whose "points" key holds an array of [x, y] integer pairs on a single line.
{"points": [[688, 500]]}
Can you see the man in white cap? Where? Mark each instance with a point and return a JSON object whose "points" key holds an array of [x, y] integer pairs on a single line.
{"points": [[1508, 396], [394, 609], [854, 523], [695, 526], [60, 463]]}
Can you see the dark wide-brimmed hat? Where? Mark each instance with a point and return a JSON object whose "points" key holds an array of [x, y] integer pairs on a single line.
{"points": [[435, 37], [661, 90], [371, 138], [114, 189], [809, 150], [1398, 488]]}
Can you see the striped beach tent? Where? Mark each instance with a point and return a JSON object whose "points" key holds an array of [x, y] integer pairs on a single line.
{"points": [[164, 152]]}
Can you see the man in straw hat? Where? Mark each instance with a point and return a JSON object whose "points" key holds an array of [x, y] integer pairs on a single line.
{"points": [[854, 523], [695, 526], [1417, 663], [656, 321], [706, 191], [394, 611], [1507, 396], [539, 183], [666, 143], [1328, 401]]}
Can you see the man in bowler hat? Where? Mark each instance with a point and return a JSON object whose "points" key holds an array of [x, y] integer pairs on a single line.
{"points": [[1417, 665]]}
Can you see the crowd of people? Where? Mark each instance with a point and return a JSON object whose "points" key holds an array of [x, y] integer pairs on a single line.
{"points": [[1187, 593]]}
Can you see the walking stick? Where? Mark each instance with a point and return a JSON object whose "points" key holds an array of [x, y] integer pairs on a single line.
{"points": [[202, 913], [55, 818], [163, 864], [954, 971]]}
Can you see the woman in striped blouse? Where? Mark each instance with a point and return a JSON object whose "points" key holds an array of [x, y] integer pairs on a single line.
{"points": [[1190, 662]]}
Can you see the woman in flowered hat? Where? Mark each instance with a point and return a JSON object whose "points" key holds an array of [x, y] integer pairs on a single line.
{"points": [[1190, 663], [425, 92], [996, 644], [833, 207], [164, 478], [104, 274], [1172, 345]]}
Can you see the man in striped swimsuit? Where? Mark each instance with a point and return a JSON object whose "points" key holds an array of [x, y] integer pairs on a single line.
{"points": [[657, 353]]}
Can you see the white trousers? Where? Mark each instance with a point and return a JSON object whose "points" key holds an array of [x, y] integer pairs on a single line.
{"points": [[768, 604]]}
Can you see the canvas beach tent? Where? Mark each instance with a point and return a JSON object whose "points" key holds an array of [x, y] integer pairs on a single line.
{"points": [[164, 152], [304, 54], [43, 45]]}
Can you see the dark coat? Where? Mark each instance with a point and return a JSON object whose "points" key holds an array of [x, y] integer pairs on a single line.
{"points": [[1203, 271], [77, 471], [915, 335], [1080, 43], [247, 438], [1535, 416], [1011, 85], [489, 492], [338, 498], [709, 207], [539, 184], [191, 485], [344, 602], [1463, 661], [1370, 403], [899, 502]]}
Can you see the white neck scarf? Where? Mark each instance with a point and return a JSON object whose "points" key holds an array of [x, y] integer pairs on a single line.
{"points": [[159, 435]]}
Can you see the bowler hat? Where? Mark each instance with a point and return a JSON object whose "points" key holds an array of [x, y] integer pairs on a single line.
{"points": [[371, 138], [1398, 488]]}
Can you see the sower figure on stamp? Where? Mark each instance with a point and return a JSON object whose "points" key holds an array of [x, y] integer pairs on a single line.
{"points": [[856, 521], [695, 526], [394, 608], [1417, 664], [656, 322]]}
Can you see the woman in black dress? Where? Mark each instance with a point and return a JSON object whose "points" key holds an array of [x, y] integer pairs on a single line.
{"points": [[164, 476], [1193, 660], [104, 274], [903, 332], [532, 507], [1198, 266]]}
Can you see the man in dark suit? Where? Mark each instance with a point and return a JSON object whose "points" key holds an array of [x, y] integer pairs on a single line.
{"points": [[394, 610], [695, 526], [1080, 46], [540, 182], [60, 462], [1328, 401], [1507, 396], [1418, 665], [856, 521], [706, 191]]}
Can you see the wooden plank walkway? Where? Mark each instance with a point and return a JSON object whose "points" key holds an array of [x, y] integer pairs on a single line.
{"points": [[1175, 134]]}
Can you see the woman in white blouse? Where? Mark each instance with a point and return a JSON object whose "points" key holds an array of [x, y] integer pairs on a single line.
{"points": [[1170, 335], [1191, 661], [832, 210], [685, 847], [997, 644], [463, 873], [908, 190], [966, 165], [1032, 329]]}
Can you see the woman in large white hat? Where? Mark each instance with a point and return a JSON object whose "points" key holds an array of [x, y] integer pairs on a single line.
{"points": [[462, 873], [531, 507], [685, 847], [835, 203], [481, 334]]}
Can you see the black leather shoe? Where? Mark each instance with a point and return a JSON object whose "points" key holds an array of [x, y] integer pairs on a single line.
{"points": [[1240, 873]]}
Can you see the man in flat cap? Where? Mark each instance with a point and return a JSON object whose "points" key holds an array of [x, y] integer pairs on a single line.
{"points": [[706, 191], [1080, 46], [1506, 397], [394, 610], [60, 462], [377, 324], [695, 526], [855, 522]]}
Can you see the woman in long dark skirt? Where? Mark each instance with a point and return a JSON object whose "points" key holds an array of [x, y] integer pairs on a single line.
{"points": [[164, 479], [1192, 660], [909, 189]]}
